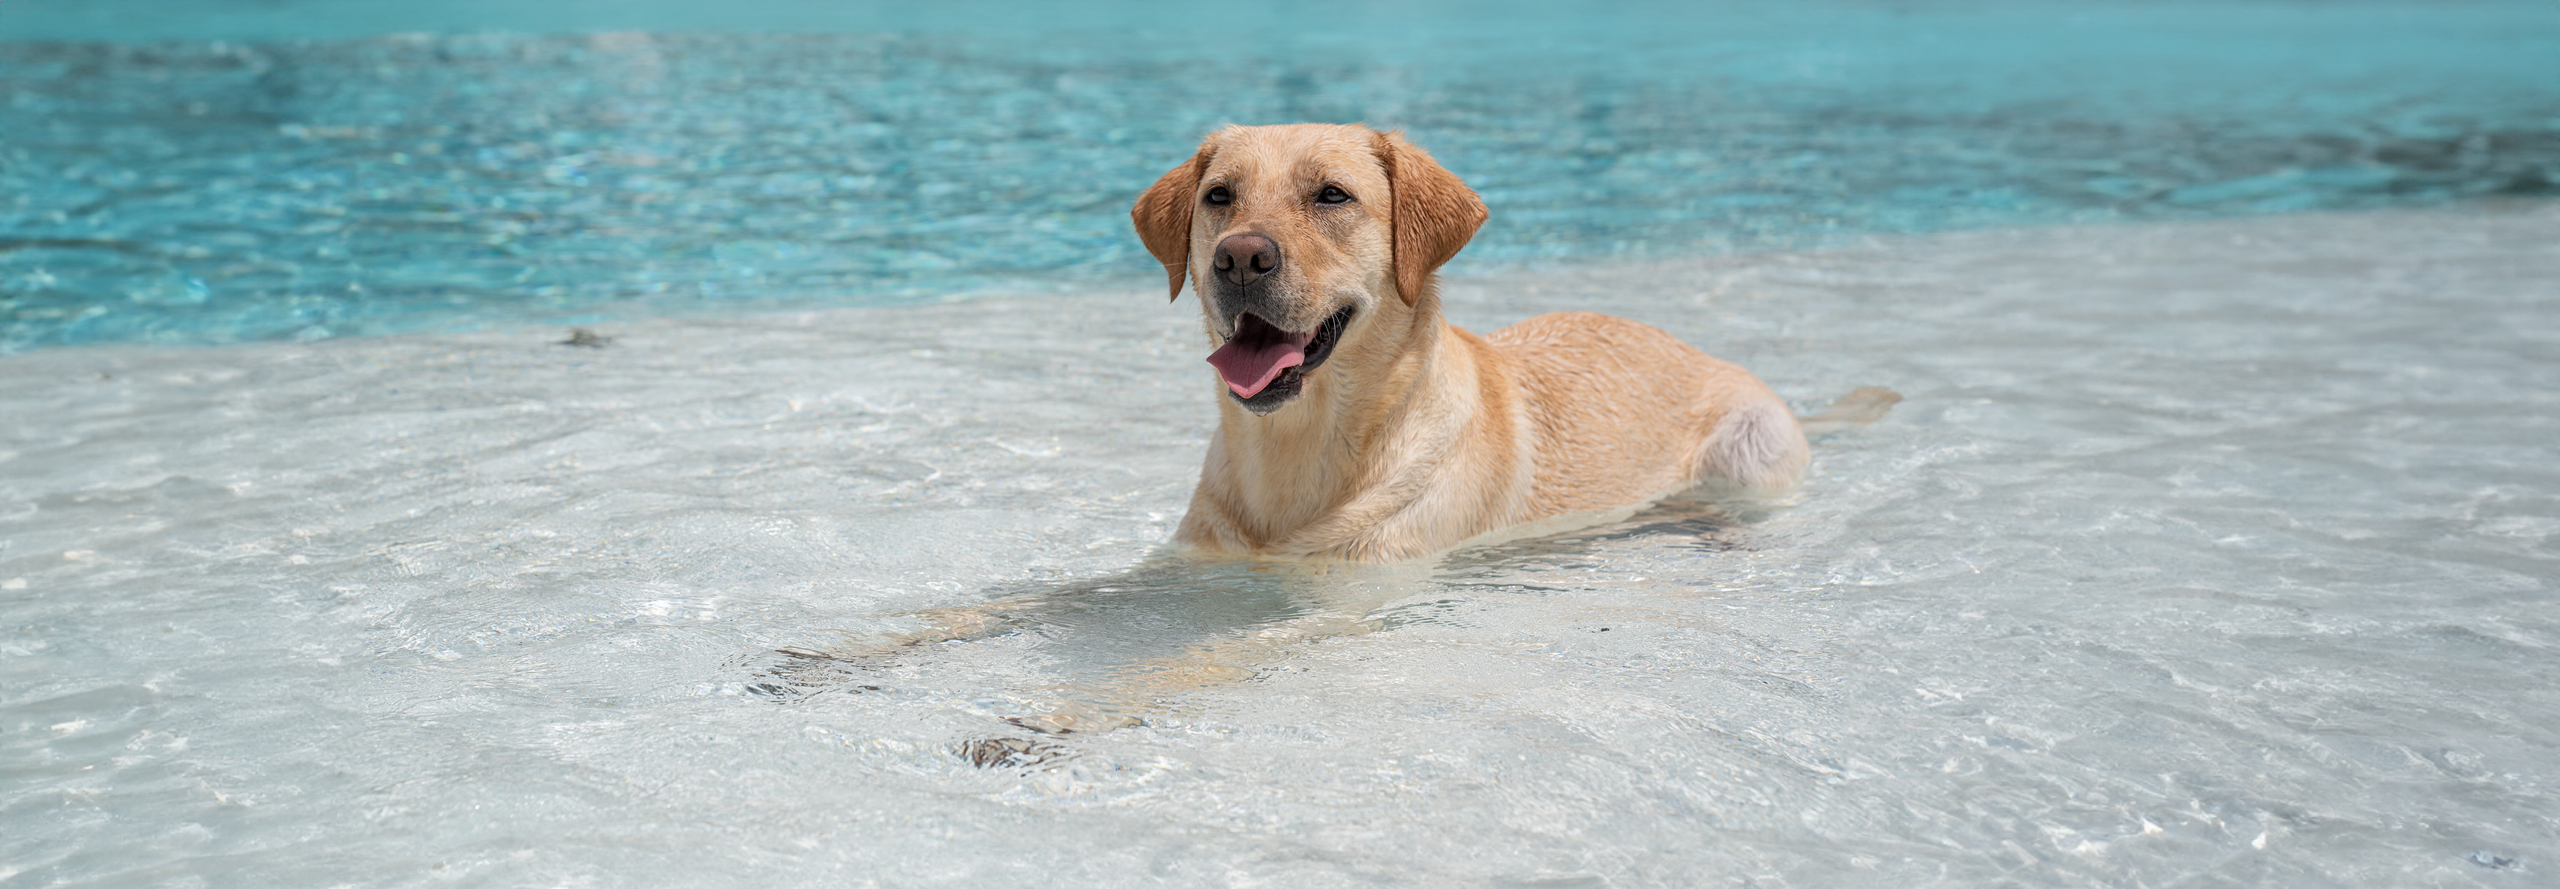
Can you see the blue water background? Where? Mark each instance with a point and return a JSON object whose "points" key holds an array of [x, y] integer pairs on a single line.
{"points": [[225, 171]]}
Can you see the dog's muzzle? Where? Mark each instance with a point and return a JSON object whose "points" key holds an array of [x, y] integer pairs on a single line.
{"points": [[1265, 366]]}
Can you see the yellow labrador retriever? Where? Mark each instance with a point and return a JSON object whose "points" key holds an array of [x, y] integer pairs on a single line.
{"points": [[1354, 423]]}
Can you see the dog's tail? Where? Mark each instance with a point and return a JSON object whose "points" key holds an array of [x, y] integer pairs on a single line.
{"points": [[1865, 405]]}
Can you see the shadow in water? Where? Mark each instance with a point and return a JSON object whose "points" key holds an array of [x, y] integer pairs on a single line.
{"points": [[1702, 520], [1133, 642], [1126, 643]]}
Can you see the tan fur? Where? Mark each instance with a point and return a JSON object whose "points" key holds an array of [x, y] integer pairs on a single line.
{"points": [[1416, 435]]}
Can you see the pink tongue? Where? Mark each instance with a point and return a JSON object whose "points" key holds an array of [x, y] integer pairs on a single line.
{"points": [[1249, 368]]}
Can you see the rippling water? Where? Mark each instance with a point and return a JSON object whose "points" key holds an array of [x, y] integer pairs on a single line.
{"points": [[2205, 551], [297, 178], [2202, 553]]}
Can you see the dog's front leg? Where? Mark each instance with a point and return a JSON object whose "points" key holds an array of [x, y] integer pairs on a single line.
{"points": [[1146, 687]]}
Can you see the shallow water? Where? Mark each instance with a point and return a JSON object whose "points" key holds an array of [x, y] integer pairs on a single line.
{"points": [[2206, 553], [227, 170]]}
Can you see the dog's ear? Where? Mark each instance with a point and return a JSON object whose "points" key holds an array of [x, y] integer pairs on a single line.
{"points": [[1163, 217], [1435, 214]]}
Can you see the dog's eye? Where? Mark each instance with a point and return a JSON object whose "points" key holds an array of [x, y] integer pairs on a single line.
{"points": [[1218, 195], [1333, 195]]}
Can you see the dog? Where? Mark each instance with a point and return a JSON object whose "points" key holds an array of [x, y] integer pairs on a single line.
{"points": [[1355, 424]]}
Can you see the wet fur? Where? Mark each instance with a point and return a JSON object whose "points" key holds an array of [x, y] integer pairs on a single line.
{"points": [[1416, 435], [1413, 437]]}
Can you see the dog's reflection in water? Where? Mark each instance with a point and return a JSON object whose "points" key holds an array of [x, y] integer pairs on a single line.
{"points": [[1176, 624]]}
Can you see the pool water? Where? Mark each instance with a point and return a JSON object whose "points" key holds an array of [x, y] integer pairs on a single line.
{"points": [[214, 171], [2217, 552], [2215, 543]]}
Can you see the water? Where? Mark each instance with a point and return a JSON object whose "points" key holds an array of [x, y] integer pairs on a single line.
{"points": [[2215, 553], [2215, 544], [226, 171]]}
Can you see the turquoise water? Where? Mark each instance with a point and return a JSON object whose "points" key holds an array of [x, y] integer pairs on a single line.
{"points": [[214, 172]]}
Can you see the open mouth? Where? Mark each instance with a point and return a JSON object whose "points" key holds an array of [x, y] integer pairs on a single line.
{"points": [[1265, 366]]}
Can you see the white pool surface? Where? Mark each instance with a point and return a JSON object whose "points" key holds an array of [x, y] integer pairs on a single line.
{"points": [[2213, 553]]}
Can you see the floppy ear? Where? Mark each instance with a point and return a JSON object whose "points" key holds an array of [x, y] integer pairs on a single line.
{"points": [[1163, 217], [1435, 214]]}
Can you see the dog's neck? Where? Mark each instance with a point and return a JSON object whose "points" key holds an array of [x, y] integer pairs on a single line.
{"points": [[1305, 464]]}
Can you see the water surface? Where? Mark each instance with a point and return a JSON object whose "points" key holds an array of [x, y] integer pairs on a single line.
{"points": [[2215, 544], [227, 171], [2202, 553]]}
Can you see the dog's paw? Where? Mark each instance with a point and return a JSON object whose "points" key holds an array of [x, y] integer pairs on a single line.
{"points": [[1003, 753], [791, 674]]}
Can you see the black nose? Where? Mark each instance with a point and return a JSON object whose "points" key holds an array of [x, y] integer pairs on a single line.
{"points": [[1244, 259]]}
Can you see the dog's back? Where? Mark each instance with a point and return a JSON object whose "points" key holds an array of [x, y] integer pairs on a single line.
{"points": [[1623, 412]]}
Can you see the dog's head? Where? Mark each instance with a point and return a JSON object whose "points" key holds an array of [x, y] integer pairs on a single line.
{"points": [[1298, 239]]}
